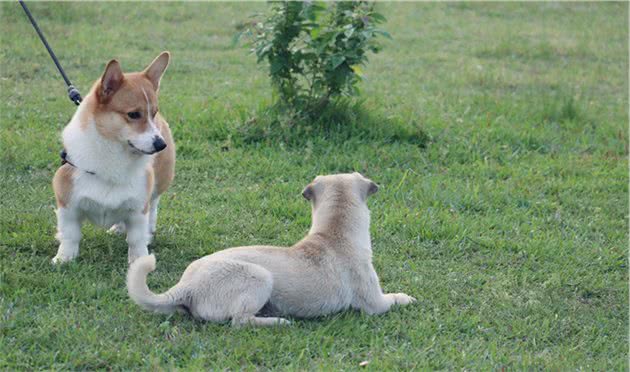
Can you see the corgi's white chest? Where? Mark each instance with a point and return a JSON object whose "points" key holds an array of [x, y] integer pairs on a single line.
{"points": [[106, 204]]}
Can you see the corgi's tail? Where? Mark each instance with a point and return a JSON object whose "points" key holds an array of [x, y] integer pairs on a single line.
{"points": [[140, 292]]}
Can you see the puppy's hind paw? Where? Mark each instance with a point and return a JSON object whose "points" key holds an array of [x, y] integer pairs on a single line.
{"points": [[403, 299]]}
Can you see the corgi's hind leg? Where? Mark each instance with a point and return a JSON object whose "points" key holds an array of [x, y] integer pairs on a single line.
{"points": [[118, 229], [153, 214], [137, 235]]}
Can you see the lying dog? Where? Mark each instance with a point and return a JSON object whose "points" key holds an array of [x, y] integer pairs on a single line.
{"points": [[328, 271], [118, 157]]}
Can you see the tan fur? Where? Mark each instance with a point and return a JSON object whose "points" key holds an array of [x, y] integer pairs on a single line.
{"points": [[312, 249], [111, 113], [328, 271], [62, 184], [90, 104], [164, 164]]}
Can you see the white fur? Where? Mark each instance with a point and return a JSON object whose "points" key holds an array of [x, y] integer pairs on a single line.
{"points": [[328, 271], [153, 214], [90, 151], [68, 234], [117, 192]]}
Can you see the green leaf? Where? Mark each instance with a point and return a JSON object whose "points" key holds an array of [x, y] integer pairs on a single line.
{"points": [[378, 17], [383, 33], [336, 60], [276, 66], [357, 70]]}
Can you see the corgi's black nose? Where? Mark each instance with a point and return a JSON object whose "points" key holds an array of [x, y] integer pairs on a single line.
{"points": [[158, 144]]}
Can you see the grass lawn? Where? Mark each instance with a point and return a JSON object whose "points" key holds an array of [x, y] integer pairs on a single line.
{"points": [[509, 224]]}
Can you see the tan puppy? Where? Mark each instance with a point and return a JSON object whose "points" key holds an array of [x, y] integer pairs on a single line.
{"points": [[119, 159], [328, 271]]}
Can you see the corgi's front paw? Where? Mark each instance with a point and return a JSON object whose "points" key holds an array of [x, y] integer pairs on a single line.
{"points": [[61, 259], [402, 299]]}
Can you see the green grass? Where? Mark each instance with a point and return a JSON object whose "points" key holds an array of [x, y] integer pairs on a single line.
{"points": [[508, 220]]}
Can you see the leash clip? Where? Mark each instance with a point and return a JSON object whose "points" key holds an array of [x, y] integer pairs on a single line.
{"points": [[74, 95]]}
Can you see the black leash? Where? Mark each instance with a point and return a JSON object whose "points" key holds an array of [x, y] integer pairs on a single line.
{"points": [[73, 93]]}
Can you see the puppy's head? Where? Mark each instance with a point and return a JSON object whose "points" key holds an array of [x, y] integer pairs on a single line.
{"points": [[126, 106], [343, 190]]}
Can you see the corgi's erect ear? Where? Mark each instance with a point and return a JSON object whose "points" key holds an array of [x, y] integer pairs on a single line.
{"points": [[156, 69], [111, 80]]}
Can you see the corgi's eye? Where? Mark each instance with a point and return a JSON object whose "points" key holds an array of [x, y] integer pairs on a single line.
{"points": [[134, 115]]}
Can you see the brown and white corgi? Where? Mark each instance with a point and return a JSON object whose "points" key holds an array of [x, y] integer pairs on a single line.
{"points": [[119, 159]]}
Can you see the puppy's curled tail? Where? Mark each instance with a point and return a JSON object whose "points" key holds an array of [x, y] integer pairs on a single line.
{"points": [[140, 292]]}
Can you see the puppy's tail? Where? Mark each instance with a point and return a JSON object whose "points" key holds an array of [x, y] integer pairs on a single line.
{"points": [[141, 294]]}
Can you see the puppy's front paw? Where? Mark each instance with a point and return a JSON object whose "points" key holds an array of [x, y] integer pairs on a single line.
{"points": [[402, 299]]}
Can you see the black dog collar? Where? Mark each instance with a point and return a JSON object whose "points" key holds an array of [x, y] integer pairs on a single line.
{"points": [[64, 160]]}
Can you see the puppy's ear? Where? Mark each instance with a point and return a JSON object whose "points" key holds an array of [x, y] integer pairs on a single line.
{"points": [[372, 188], [111, 80], [156, 69], [309, 192]]}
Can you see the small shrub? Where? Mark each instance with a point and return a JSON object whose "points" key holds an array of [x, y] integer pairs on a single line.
{"points": [[315, 51]]}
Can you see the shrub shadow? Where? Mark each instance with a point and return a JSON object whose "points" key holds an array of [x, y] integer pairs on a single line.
{"points": [[339, 122]]}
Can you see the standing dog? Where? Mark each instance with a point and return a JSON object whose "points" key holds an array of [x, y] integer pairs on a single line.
{"points": [[328, 271], [119, 158]]}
